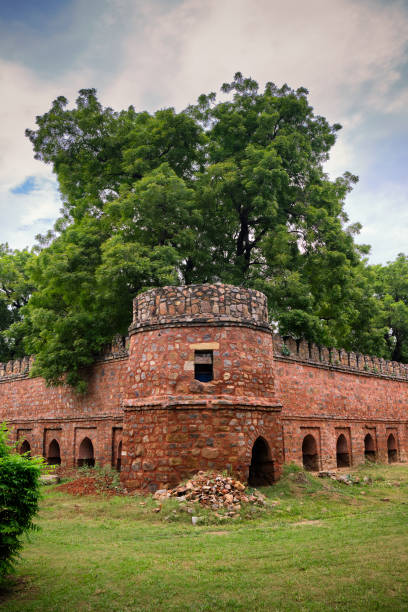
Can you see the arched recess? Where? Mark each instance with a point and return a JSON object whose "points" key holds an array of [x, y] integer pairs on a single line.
{"points": [[119, 457], [261, 470], [25, 447], [392, 449], [369, 448], [310, 455], [342, 452], [54, 454], [86, 453]]}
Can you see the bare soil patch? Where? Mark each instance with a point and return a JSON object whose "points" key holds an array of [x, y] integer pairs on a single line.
{"points": [[89, 485]]}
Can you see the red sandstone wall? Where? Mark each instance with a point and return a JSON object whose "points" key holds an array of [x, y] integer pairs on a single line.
{"points": [[40, 414], [309, 390], [166, 445], [325, 401], [175, 424]]}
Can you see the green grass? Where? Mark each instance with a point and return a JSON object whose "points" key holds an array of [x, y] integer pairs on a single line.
{"points": [[318, 545]]}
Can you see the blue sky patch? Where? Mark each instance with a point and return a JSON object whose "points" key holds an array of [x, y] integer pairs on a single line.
{"points": [[27, 186], [34, 12]]}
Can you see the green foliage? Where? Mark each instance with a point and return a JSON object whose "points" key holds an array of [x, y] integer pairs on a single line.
{"points": [[230, 190], [95, 151], [19, 496], [15, 290], [285, 350], [390, 284]]}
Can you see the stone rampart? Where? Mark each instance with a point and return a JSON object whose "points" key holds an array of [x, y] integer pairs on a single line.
{"points": [[144, 391], [337, 359]]}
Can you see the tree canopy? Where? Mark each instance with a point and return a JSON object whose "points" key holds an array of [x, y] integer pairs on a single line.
{"points": [[230, 190], [15, 290]]}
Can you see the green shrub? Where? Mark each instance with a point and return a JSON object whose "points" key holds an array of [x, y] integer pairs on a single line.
{"points": [[19, 496]]}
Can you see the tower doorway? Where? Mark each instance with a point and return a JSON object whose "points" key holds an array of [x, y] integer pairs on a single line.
{"points": [[119, 457], [261, 471]]}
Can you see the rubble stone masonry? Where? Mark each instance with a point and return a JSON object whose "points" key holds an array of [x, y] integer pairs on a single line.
{"points": [[266, 401], [174, 424]]}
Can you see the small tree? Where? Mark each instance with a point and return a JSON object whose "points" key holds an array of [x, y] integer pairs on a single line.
{"points": [[19, 497]]}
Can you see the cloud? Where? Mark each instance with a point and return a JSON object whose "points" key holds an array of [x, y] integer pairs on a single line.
{"points": [[336, 49], [25, 214], [56, 37], [384, 215], [350, 54], [28, 189]]}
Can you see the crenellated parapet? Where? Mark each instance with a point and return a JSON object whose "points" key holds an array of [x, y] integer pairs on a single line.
{"points": [[192, 305], [20, 368], [16, 368], [252, 311], [304, 351], [117, 349]]}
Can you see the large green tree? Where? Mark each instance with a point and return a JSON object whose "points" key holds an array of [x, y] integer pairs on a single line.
{"points": [[231, 190], [273, 219], [96, 152], [16, 287]]}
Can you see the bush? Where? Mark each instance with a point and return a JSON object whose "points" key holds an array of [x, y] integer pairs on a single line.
{"points": [[19, 497]]}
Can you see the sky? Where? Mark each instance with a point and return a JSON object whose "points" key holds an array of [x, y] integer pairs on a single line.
{"points": [[352, 56]]}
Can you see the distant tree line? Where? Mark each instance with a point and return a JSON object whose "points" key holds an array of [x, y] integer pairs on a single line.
{"points": [[231, 190]]}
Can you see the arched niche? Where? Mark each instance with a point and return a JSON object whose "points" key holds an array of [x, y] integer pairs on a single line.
{"points": [[261, 470], [25, 447], [54, 454], [369, 448], [119, 457], [342, 452], [310, 456], [86, 453], [392, 449]]}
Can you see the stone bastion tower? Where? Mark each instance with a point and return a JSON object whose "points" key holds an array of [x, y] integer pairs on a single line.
{"points": [[200, 391]]}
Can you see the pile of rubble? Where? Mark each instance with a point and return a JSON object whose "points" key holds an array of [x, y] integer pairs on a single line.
{"points": [[213, 491], [348, 479]]}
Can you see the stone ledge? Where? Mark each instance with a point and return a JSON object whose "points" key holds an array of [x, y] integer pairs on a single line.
{"points": [[202, 322], [210, 403], [14, 377], [78, 419], [343, 418]]}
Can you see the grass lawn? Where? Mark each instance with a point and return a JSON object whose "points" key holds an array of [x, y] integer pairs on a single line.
{"points": [[323, 546]]}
